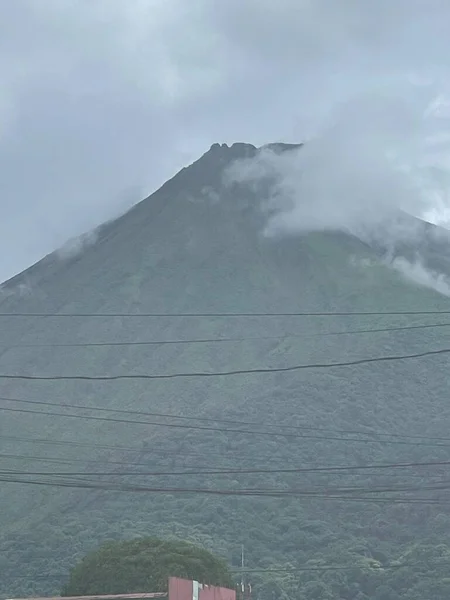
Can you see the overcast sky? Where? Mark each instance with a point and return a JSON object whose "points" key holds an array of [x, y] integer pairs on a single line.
{"points": [[102, 100]]}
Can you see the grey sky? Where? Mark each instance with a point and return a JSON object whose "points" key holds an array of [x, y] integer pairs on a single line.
{"points": [[102, 100]]}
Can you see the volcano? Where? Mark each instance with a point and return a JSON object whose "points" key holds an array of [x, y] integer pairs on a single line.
{"points": [[186, 284]]}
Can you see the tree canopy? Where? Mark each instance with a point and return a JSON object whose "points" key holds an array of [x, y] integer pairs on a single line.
{"points": [[144, 565]]}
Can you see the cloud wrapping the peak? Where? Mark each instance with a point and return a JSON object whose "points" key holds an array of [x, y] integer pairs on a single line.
{"points": [[100, 96], [378, 160], [370, 161]]}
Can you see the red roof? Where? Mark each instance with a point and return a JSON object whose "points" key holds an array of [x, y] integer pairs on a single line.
{"points": [[103, 597]]}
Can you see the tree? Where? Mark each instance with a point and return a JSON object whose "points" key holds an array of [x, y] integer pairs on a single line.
{"points": [[144, 565]]}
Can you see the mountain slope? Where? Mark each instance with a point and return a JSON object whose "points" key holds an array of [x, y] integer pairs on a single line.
{"points": [[196, 246]]}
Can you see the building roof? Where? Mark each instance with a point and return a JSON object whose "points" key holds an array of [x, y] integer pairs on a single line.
{"points": [[103, 597]]}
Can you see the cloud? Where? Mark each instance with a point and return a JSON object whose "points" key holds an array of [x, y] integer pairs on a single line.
{"points": [[76, 245], [378, 157], [373, 159], [92, 103], [98, 96], [419, 273]]}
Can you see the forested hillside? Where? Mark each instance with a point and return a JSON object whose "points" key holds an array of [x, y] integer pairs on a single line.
{"points": [[315, 470]]}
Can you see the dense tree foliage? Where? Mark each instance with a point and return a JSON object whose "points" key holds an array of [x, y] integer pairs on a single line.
{"points": [[144, 565]]}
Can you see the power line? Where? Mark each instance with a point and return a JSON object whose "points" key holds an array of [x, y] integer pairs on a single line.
{"points": [[59, 460], [306, 569], [230, 314], [324, 568], [319, 492], [227, 471], [225, 340], [217, 429], [204, 470], [258, 371], [14, 438], [269, 493], [135, 449], [217, 420], [333, 568], [69, 461], [165, 453], [132, 449], [340, 470]]}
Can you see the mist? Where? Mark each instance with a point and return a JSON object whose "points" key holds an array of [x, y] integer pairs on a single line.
{"points": [[98, 97], [377, 159]]}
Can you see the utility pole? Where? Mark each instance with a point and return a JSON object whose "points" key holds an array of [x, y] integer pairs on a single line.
{"points": [[242, 571], [246, 590]]}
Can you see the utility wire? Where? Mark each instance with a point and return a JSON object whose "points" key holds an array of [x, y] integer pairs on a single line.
{"points": [[165, 453], [69, 461], [321, 568], [227, 340], [55, 442], [135, 449], [269, 493], [290, 570], [316, 491], [218, 429], [230, 314], [334, 568], [227, 471], [217, 420], [258, 371], [341, 471], [132, 449]]}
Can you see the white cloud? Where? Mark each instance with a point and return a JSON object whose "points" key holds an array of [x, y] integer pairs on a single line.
{"points": [[375, 158], [77, 245], [98, 96], [422, 275], [370, 160]]}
